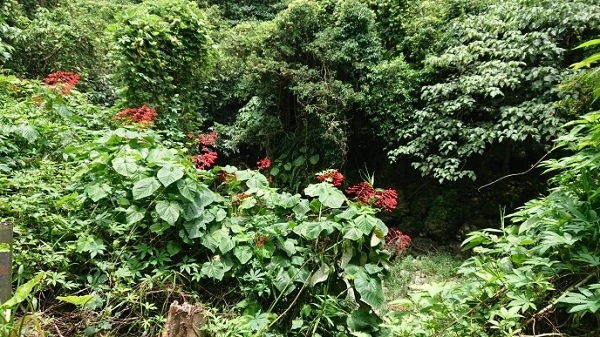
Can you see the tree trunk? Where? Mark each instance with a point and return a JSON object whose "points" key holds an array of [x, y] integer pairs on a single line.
{"points": [[184, 321]]}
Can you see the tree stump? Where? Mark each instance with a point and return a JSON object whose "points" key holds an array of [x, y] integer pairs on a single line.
{"points": [[184, 320]]}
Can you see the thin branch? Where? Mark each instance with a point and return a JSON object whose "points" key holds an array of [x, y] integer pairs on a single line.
{"points": [[519, 173], [555, 301]]}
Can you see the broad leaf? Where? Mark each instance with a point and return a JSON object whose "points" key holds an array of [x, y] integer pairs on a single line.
{"points": [[125, 166], [134, 214], [243, 253], [169, 174], [365, 223], [188, 188], [213, 269], [77, 300], [320, 275], [370, 289], [22, 292], [28, 132], [145, 188], [168, 211]]}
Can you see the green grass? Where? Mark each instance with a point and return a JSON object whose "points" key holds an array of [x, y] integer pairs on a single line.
{"points": [[415, 270]]}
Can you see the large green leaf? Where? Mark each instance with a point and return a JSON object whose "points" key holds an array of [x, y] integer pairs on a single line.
{"points": [[76, 300], [365, 223], [196, 227], [320, 275], [134, 214], [243, 253], [22, 292], [169, 174], [168, 211], [28, 132], [328, 195], [312, 230], [226, 244], [213, 269], [370, 289], [125, 166], [188, 188], [145, 188], [352, 233], [97, 191]]}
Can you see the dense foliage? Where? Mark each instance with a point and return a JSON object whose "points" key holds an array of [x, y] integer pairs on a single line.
{"points": [[153, 151], [539, 275]]}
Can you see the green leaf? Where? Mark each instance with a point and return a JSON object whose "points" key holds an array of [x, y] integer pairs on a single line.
{"points": [[314, 159], [145, 188], [243, 253], [328, 195], [226, 244], [125, 166], [196, 228], [134, 214], [97, 191], [28, 132], [370, 289], [362, 319], [169, 174], [320, 275], [365, 223], [352, 233], [62, 110], [159, 156], [213, 269], [168, 211], [188, 188], [22, 292], [301, 208], [77, 300]]}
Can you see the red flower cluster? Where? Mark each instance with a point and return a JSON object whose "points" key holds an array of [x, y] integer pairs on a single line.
{"points": [[207, 158], [333, 177], [386, 200], [208, 139], [363, 191], [62, 79], [396, 240], [143, 115], [264, 163]]}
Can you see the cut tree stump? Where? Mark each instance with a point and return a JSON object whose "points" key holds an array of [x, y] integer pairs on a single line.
{"points": [[184, 320]]}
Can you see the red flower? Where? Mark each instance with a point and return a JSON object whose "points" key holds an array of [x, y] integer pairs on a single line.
{"points": [[205, 160], [264, 163], [143, 115], [190, 135], [208, 139], [386, 200], [362, 191], [63, 80], [331, 176], [397, 240]]}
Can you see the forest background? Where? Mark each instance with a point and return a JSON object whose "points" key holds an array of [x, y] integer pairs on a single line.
{"points": [[449, 104]]}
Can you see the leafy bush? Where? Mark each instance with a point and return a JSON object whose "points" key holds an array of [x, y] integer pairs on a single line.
{"points": [[537, 276], [125, 216], [162, 49], [489, 89]]}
